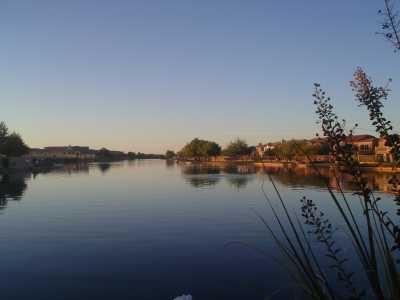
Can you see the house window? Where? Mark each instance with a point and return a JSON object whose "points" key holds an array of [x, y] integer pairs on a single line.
{"points": [[364, 148]]}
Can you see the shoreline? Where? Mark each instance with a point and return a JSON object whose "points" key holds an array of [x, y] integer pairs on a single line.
{"points": [[366, 167]]}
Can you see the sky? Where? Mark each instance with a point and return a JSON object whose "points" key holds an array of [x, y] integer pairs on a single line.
{"points": [[150, 75]]}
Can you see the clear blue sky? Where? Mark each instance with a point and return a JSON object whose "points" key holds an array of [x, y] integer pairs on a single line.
{"points": [[147, 75]]}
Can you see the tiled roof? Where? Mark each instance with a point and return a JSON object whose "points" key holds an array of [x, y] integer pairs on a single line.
{"points": [[361, 138]]}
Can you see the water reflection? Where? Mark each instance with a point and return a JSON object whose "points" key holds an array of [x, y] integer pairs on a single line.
{"points": [[83, 168], [240, 169], [142, 225], [169, 163], [296, 179], [238, 176], [69, 169], [201, 176], [12, 187], [197, 169], [239, 182], [104, 167], [202, 182], [312, 178]]}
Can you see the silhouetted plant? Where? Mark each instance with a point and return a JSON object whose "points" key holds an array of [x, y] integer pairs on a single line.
{"points": [[372, 98], [375, 236], [323, 230], [378, 224], [296, 248], [390, 26]]}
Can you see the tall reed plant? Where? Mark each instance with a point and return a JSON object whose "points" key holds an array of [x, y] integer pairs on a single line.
{"points": [[375, 237]]}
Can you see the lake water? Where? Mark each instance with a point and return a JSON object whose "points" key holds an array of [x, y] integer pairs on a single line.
{"points": [[147, 230]]}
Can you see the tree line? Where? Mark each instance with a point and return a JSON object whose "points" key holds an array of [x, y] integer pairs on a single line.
{"points": [[11, 144], [105, 154], [198, 148], [288, 150]]}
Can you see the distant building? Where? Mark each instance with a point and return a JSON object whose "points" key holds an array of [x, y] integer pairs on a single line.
{"points": [[64, 152], [318, 141], [364, 146], [262, 149], [367, 148], [382, 152], [364, 143]]}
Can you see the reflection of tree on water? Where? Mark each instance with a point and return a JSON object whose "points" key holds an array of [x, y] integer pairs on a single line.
{"points": [[201, 182], [104, 167], [169, 163], [209, 175], [197, 169], [71, 168], [239, 181], [309, 177], [290, 177], [12, 187], [239, 175], [200, 176], [240, 169]]}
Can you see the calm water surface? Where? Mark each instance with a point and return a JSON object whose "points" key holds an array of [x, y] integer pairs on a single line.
{"points": [[145, 230]]}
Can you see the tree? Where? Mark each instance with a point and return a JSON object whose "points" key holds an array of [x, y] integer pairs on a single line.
{"points": [[390, 26], [3, 132], [170, 154], [14, 145], [212, 149], [131, 155], [289, 149], [200, 148], [237, 147], [104, 152]]}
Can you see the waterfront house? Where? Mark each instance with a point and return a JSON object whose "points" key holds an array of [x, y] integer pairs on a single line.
{"points": [[382, 152], [263, 149], [367, 148], [64, 152], [318, 141], [364, 145]]}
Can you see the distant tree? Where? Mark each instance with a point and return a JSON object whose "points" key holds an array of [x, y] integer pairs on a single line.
{"points": [[237, 147], [289, 149], [3, 132], [13, 145], [286, 150], [193, 149], [212, 149], [104, 152], [271, 152], [170, 154], [104, 167], [131, 155], [200, 148]]}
